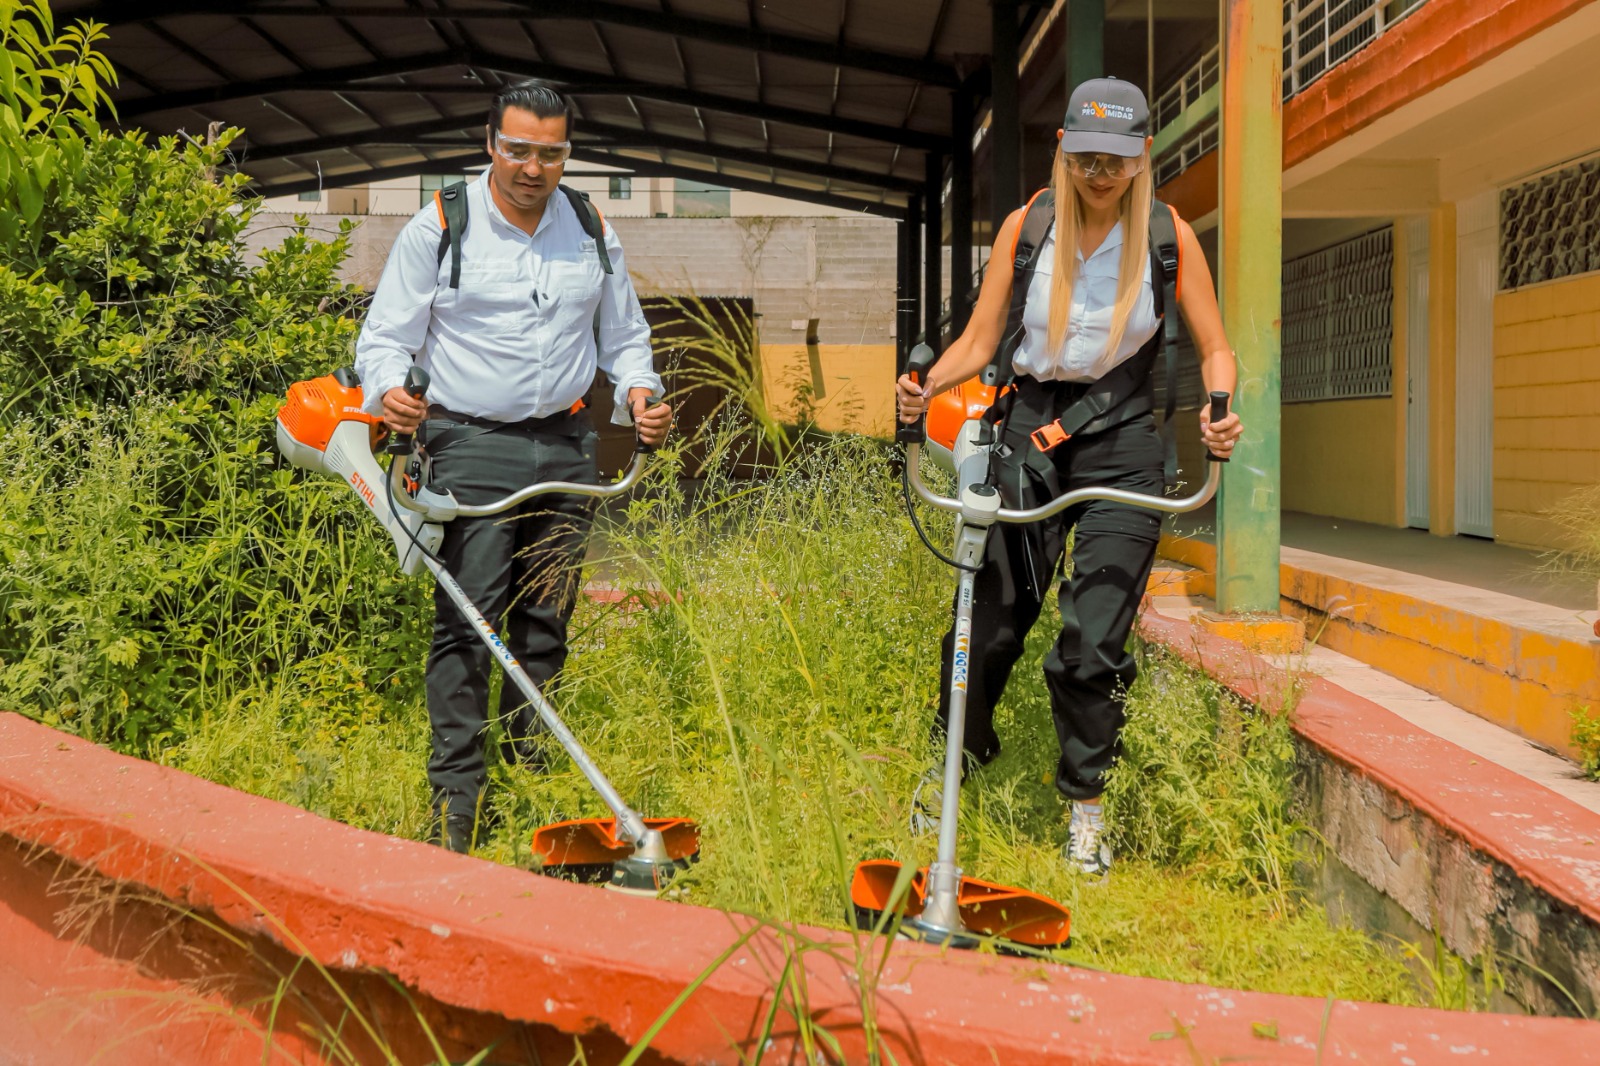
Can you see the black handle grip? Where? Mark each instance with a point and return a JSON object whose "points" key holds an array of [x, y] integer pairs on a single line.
{"points": [[639, 446], [416, 387], [918, 364], [1219, 411]]}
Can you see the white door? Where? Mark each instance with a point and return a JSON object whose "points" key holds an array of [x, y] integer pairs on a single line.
{"points": [[1417, 238], [1477, 245]]}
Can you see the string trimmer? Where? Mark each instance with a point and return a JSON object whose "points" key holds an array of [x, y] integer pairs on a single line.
{"points": [[322, 427], [938, 902]]}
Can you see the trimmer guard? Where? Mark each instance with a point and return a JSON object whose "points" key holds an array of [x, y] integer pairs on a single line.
{"points": [[986, 908], [587, 848]]}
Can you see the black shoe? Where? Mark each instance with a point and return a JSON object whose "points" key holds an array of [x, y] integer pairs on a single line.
{"points": [[453, 832]]}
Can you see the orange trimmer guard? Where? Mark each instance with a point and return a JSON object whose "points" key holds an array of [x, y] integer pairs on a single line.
{"points": [[986, 908], [586, 848]]}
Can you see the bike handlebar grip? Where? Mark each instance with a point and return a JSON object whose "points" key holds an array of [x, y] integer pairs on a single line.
{"points": [[416, 387], [918, 364], [639, 446], [1219, 411]]}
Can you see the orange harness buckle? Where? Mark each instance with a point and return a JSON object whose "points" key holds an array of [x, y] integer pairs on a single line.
{"points": [[577, 405], [1049, 436]]}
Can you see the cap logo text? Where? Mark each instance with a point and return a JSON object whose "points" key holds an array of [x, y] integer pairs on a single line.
{"points": [[1096, 109]]}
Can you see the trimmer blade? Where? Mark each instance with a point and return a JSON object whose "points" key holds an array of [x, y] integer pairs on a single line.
{"points": [[987, 909], [587, 849]]}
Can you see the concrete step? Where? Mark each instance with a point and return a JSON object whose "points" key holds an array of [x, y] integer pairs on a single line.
{"points": [[1522, 665]]}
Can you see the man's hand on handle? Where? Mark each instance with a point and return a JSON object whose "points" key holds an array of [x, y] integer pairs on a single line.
{"points": [[651, 422], [402, 411]]}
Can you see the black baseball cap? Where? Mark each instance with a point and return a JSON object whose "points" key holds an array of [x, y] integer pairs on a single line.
{"points": [[1106, 115]]}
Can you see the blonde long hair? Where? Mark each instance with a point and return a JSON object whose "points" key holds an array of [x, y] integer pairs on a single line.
{"points": [[1135, 214]]}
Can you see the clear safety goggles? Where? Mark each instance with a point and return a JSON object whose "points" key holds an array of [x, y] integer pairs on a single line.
{"points": [[1115, 167], [516, 150]]}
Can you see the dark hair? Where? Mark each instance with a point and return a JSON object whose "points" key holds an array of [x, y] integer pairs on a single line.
{"points": [[530, 95]]}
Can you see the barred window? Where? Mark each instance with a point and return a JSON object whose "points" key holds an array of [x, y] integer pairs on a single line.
{"points": [[1337, 331], [1550, 226]]}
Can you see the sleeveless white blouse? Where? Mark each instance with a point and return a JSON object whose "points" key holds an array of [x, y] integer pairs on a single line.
{"points": [[1083, 355]]}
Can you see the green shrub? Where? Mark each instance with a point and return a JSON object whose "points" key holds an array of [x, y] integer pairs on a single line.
{"points": [[1586, 738]]}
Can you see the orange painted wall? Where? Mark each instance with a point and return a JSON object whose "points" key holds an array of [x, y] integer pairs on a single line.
{"points": [[1546, 404], [857, 384]]}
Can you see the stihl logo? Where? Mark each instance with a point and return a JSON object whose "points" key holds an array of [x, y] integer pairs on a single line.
{"points": [[360, 484]]}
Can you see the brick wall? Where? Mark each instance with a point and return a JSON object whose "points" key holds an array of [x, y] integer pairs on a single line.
{"points": [[1546, 404]]}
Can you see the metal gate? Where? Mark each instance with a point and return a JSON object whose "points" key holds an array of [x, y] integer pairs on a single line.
{"points": [[1338, 312], [1476, 277]]}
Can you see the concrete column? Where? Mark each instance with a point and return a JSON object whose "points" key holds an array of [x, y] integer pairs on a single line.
{"points": [[1086, 41], [933, 245], [1005, 126], [913, 226], [960, 211], [904, 323], [1442, 371], [1251, 252]]}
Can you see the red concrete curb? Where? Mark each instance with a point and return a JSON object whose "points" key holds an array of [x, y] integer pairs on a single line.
{"points": [[482, 937], [1545, 838]]}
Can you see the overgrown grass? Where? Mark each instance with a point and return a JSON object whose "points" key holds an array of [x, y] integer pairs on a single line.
{"points": [[774, 678]]}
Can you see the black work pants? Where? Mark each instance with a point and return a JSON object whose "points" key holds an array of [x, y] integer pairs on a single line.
{"points": [[1088, 670], [520, 568]]}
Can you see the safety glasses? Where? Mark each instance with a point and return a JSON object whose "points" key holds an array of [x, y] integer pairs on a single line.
{"points": [[515, 150], [1115, 167]]}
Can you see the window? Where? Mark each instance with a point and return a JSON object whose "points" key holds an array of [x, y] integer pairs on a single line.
{"points": [[1550, 227], [432, 183], [622, 188], [312, 197], [694, 199], [1337, 330]]}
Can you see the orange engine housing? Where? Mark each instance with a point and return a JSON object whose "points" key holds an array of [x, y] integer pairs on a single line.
{"points": [[314, 409], [949, 411]]}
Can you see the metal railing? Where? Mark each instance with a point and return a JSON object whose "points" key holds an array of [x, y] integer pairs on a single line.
{"points": [[1189, 87], [1318, 35]]}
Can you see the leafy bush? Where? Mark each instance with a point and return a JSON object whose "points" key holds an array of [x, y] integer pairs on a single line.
{"points": [[157, 560], [1586, 738]]}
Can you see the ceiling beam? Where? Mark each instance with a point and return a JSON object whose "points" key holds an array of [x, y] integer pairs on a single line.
{"points": [[634, 168], [579, 82], [409, 134], [754, 39]]}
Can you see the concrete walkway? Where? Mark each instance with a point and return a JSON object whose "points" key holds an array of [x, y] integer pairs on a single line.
{"points": [[1472, 561], [1483, 739]]}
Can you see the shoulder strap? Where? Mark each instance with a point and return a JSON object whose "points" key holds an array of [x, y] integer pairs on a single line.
{"points": [[1037, 218], [593, 222], [1166, 265], [451, 202]]}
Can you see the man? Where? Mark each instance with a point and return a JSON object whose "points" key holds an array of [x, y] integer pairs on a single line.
{"points": [[510, 351]]}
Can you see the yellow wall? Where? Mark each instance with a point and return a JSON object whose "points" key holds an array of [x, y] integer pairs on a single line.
{"points": [[857, 384], [1339, 459], [1546, 403]]}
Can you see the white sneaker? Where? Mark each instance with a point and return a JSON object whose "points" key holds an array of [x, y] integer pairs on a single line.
{"points": [[927, 802], [1086, 850]]}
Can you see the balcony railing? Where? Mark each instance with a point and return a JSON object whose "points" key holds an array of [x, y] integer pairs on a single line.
{"points": [[1318, 35]]}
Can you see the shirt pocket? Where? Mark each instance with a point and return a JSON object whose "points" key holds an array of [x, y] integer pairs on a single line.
{"points": [[492, 297], [576, 280]]}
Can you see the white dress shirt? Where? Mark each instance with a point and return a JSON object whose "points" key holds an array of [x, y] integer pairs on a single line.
{"points": [[1083, 355], [517, 339]]}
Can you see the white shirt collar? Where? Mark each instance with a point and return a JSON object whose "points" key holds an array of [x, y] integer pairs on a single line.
{"points": [[545, 220]]}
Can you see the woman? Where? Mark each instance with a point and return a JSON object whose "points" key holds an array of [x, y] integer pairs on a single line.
{"points": [[1090, 308]]}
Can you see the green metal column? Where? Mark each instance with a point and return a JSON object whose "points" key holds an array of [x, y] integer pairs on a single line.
{"points": [[1251, 253], [1086, 41], [1005, 125]]}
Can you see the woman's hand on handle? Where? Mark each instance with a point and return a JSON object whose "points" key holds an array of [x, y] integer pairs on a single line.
{"points": [[1219, 437], [911, 399]]}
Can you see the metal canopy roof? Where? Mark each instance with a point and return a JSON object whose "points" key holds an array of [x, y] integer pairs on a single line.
{"points": [[837, 101]]}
